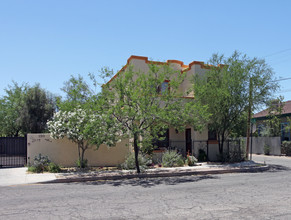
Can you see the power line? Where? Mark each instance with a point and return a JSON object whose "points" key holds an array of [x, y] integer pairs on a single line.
{"points": [[282, 79], [282, 51], [281, 61], [283, 91]]}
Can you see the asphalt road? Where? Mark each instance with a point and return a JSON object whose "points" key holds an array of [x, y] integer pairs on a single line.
{"points": [[264, 195]]}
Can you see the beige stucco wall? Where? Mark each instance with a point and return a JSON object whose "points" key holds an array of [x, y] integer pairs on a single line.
{"points": [[189, 77], [195, 135], [140, 65], [65, 153], [179, 139]]}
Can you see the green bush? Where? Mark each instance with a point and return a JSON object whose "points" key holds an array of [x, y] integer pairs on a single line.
{"points": [[236, 156], [267, 149], [286, 148], [54, 168], [32, 169], [83, 164], [231, 157], [172, 159], [43, 164], [202, 156], [129, 163]]}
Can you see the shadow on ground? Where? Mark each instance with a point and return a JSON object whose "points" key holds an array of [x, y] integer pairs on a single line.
{"points": [[149, 182], [277, 168]]}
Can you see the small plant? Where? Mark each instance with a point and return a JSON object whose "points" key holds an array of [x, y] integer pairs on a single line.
{"points": [[32, 169], [129, 163], [202, 155], [82, 164], [41, 163], [190, 160], [53, 168], [267, 149], [172, 159]]}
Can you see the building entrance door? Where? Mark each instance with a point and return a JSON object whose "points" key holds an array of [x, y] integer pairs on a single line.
{"points": [[188, 141]]}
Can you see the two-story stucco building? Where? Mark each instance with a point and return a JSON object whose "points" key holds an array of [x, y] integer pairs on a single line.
{"points": [[64, 152], [189, 140]]}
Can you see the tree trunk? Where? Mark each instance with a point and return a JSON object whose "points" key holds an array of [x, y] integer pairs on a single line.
{"points": [[220, 146], [81, 151], [82, 157], [135, 147]]}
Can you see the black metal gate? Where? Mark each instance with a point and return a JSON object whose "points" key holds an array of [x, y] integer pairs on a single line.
{"points": [[13, 151]]}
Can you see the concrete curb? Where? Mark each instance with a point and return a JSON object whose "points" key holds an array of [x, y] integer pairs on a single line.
{"points": [[161, 174]]}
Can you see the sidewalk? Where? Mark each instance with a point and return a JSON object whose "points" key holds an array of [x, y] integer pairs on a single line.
{"points": [[15, 176]]}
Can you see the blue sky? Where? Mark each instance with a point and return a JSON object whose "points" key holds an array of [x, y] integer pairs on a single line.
{"points": [[47, 41]]}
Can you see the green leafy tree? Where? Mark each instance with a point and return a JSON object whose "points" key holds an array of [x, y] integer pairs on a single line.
{"points": [[142, 105], [10, 110], [37, 108], [240, 128], [25, 109], [230, 90], [78, 93], [273, 122]]}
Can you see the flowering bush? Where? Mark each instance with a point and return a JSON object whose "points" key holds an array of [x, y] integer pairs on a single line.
{"points": [[74, 126], [84, 128], [190, 160], [70, 124]]}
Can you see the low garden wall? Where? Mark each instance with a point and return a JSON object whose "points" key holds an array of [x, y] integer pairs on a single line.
{"points": [[65, 153]]}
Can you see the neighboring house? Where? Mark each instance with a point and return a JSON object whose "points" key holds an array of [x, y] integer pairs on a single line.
{"points": [[183, 141], [261, 117]]}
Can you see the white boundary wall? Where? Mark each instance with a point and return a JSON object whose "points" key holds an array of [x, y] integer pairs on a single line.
{"points": [[259, 143]]}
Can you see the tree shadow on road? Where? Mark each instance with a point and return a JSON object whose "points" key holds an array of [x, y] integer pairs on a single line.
{"points": [[277, 168], [150, 182]]}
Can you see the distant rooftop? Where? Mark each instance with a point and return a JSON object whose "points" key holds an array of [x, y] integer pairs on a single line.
{"points": [[264, 113]]}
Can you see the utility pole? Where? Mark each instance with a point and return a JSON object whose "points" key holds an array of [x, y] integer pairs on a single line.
{"points": [[253, 121], [249, 118]]}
